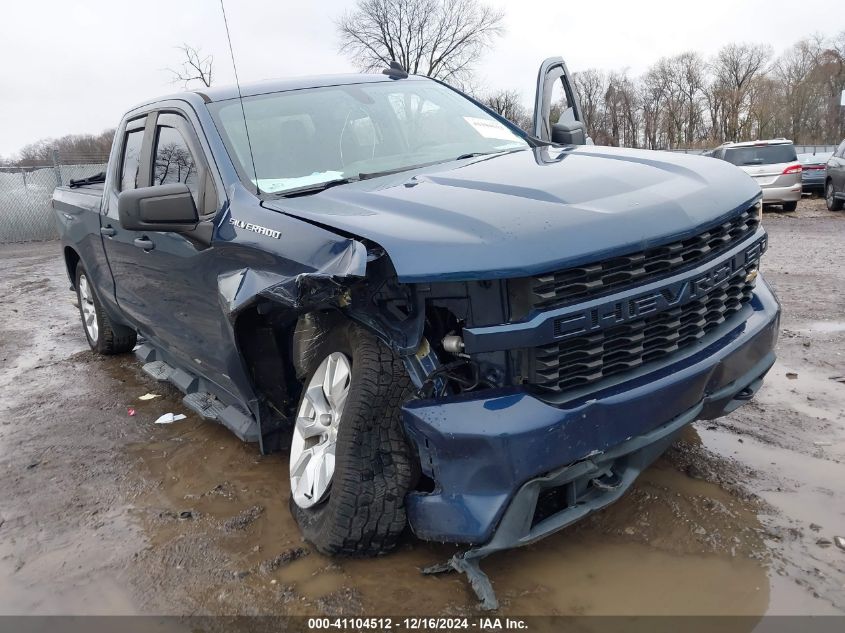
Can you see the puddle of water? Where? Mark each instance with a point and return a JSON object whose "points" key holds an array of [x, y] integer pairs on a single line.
{"points": [[66, 573], [802, 490], [805, 486], [102, 596], [663, 550]]}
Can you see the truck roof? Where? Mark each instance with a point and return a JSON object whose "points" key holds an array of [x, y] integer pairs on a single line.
{"points": [[223, 93]]}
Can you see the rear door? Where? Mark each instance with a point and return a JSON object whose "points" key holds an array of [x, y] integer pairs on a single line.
{"points": [[132, 171], [557, 113]]}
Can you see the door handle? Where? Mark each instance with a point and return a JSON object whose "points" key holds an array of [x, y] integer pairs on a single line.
{"points": [[108, 231], [145, 243]]}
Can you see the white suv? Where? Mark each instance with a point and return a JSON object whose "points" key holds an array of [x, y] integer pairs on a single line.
{"points": [[772, 164]]}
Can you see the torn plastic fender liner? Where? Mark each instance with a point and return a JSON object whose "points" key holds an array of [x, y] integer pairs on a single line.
{"points": [[341, 261]]}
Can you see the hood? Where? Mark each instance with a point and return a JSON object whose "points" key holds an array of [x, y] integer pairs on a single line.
{"points": [[531, 211]]}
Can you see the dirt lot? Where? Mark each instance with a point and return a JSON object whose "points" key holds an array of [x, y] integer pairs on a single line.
{"points": [[103, 512]]}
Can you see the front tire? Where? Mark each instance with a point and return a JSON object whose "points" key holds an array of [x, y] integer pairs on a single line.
{"points": [[354, 502], [103, 336], [789, 207], [833, 204]]}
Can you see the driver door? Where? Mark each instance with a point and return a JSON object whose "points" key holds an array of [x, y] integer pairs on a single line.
{"points": [[557, 113]]}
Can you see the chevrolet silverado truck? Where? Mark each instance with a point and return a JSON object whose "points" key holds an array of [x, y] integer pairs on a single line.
{"points": [[448, 323]]}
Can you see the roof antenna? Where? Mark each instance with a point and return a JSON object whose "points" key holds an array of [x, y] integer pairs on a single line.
{"points": [[394, 71], [240, 98]]}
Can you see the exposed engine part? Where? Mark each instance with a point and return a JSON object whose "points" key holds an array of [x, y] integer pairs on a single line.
{"points": [[453, 344], [463, 374]]}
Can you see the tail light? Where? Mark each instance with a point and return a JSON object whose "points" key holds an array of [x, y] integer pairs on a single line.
{"points": [[792, 169]]}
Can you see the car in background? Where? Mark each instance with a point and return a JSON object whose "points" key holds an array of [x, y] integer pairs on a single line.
{"points": [[773, 164], [813, 168], [834, 185]]}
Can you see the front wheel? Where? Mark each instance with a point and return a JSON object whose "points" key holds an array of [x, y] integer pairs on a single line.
{"points": [[350, 464], [103, 336], [833, 204]]}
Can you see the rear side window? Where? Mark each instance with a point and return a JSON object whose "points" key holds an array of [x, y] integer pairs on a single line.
{"points": [[131, 160], [761, 154], [173, 161]]}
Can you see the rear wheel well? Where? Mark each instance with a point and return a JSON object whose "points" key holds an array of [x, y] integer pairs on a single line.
{"points": [[71, 262]]}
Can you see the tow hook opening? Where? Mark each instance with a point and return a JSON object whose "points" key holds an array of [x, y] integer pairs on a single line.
{"points": [[745, 394], [574, 493]]}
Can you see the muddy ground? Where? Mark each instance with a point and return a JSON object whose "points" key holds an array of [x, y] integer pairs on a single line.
{"points": [[103, 512]]}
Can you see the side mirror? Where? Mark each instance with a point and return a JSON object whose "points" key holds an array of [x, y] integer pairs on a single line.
{"points": [[162, 208], [569, 133]]}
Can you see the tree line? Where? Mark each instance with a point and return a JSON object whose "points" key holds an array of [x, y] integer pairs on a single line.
{"points": [[73, 148], [743, 92]]}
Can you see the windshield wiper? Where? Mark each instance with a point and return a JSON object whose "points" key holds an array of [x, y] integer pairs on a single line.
{"points": [[387, 172], [500, 152], [315, 188], [474, 154]]}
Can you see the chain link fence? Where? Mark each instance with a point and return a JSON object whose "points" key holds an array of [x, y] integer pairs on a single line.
{"points": [[26, 214], [799, 149]]}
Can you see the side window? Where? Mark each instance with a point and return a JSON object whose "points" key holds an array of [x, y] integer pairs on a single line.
{"points": [[131, 160], [173, 161], [561, 110]]}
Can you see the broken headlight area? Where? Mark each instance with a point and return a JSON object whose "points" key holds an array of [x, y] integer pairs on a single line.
{"points": [[440, 366]]}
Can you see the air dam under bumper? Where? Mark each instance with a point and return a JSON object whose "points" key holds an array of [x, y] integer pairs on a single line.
{"points": [[500, 461]]}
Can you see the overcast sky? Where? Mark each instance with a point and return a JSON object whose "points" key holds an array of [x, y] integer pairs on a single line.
{"points": [[75, 67]]}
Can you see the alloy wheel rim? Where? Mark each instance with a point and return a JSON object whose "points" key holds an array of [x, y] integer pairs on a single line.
{"points": [[314, 444], [830, 194], [89, 312]]}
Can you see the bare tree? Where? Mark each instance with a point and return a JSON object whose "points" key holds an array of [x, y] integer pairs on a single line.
{"points": [[437, 38], [195, 67], [735, 68], [591, 86], [508, 104]]}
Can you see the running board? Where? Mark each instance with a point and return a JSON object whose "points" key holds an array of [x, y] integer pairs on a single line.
{"points": [[201, 402], [204, 404], [158, 370]]}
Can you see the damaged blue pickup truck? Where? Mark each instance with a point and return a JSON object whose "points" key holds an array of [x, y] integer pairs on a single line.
{"points": [[447, 322]]}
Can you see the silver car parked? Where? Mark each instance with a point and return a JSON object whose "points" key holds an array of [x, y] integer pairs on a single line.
{"points": [[773, 164]]}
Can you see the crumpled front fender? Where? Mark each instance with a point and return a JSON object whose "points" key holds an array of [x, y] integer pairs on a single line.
{"points": [[343, 262]]}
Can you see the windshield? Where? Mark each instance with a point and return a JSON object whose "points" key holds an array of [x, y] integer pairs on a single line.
{"points": [[308, 137], [761, 154]]}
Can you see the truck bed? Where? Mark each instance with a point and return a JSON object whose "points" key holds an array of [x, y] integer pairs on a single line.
{"points": [[72, 200]]}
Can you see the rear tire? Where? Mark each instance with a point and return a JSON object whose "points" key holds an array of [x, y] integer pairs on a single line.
{"points": [[789, 207], [833, 204], [363, 511], [103, 336]]}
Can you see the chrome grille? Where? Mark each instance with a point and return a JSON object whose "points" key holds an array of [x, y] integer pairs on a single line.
{"points": [[592, 357]]}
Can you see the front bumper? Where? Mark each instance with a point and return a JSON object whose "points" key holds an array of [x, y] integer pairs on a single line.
{"points": [[492, 456]]}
